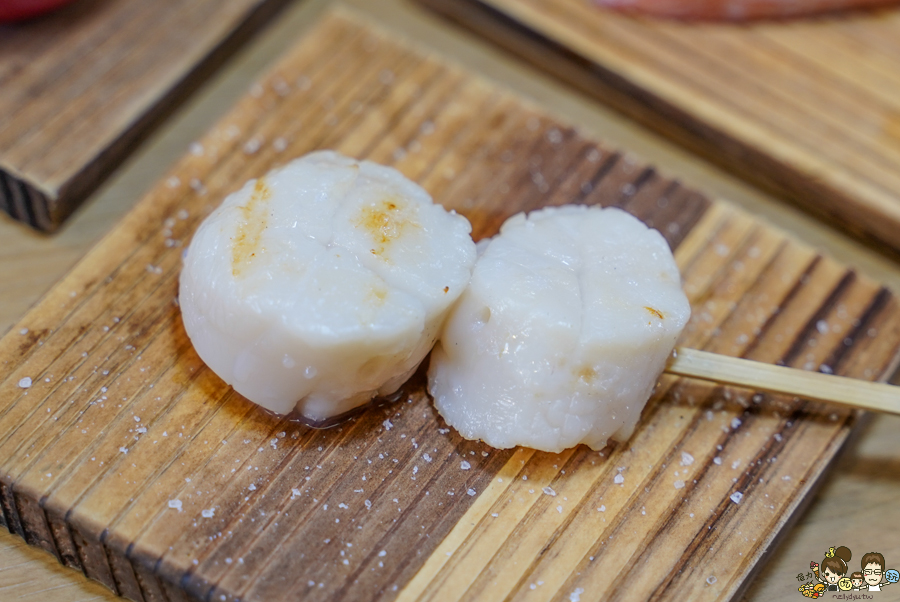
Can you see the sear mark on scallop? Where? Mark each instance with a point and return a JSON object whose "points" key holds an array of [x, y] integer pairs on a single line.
{"points": [[386, 221], [254, 218]]}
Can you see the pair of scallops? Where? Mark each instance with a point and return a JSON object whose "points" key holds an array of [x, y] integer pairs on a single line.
{"points": [[325, 283]]}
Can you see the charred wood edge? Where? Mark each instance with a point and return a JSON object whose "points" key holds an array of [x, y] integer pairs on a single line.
{"points": [[22, 199], [658, 114]]}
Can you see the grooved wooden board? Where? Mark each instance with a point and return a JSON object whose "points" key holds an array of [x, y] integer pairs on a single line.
{"points": [[808, 107], [129, 460], [80, 87]]}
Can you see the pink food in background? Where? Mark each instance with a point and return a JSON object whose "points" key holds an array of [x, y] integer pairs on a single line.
{"points": [[16, 10], [737, 10]]}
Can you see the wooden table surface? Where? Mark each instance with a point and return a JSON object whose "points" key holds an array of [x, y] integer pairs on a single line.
{"points": [[856, 505]]}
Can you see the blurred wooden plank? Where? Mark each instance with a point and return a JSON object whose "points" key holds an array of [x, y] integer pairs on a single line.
{"points": [[82, 479], [808, 108], [80, 87], [26, 576]]}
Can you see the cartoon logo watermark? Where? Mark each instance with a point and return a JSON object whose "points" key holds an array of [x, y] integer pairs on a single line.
{"points": [[834, 575]]}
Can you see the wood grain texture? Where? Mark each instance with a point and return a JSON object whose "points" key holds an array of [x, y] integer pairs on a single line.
{"points": [[80, 87], [128, 459], [809, 108]]}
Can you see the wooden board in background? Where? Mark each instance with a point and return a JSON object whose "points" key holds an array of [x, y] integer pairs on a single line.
{"points": [[80, 87], [129, 460], [809, 108]]}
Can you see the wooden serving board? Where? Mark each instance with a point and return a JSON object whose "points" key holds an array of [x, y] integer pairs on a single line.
{"points": [[81, 86], [129, 460], [809, 108]]}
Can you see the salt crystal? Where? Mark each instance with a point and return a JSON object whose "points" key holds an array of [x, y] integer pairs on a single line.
{"points": [[735, 422], [24, 383], [208, 513], [602, 508], [736, 497], [686, 459], [549, 491], [295, 493], [576, 595], [24, 331], [387, 425], [382, 553], [619, 479], [465, 465], [175, 504], [822, 327], [717, 460], [559, 509], [679, 484], [252, 146], [711, 579], [252, 487], [124, 450], [426, 457], [471, 492]]}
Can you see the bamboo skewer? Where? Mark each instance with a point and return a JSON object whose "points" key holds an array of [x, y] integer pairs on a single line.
{"points": [[876, 397]]}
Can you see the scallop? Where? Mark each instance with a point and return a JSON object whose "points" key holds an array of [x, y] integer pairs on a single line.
{"points": [[568, 320], [323, 284]]}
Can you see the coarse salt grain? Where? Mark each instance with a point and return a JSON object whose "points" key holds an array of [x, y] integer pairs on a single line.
{"points": [[24, 383], [736, 497], [619, 479], [175, 505]]}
